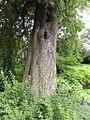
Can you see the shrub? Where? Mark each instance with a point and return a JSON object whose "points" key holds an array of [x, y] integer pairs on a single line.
{"points": [[18, 101], [70, 97], [68, 103], [63, 62]]}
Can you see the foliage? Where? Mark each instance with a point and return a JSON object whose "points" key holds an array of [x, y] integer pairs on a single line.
{"points": [[86, 55], [83, 72], [71, 94], [1, 84], [68, 44], [18, 101], [16, 24], [85, 38], [64, 61], [14, 33], [68, 101]]}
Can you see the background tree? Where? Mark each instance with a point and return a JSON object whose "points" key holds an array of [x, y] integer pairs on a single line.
{"points": [[14, 27], [68, 43], [85, 38]]}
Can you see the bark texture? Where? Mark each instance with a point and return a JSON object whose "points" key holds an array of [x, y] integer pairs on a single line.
{"points": [[26, 73], [43, 50]]}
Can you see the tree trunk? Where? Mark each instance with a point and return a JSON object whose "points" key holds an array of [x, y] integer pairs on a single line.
{"points": [[26, 73], [43, 50]]}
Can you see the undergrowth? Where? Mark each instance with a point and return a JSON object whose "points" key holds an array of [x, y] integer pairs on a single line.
{"points": [[18, 101]]}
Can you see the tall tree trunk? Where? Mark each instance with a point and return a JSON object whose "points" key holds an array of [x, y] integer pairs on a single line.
{"points": [[43, 50]]}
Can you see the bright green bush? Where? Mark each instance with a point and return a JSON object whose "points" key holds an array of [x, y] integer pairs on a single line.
{"points": [[63, 62], [18, 101], [15, 103], [68, 101], [83, 71]]}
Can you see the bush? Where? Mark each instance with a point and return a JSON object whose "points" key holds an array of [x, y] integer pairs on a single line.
{"points": [[70, 96], [63, 62], [18, 101]]}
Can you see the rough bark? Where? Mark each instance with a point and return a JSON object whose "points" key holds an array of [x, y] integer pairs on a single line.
{"points": [[43, 50], [26, 73]]}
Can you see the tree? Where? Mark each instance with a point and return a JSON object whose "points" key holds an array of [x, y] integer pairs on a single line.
{"points": [[85, 38], [68, 44], [43, 44], [37, 19], [14, 35], [43, 48]]}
